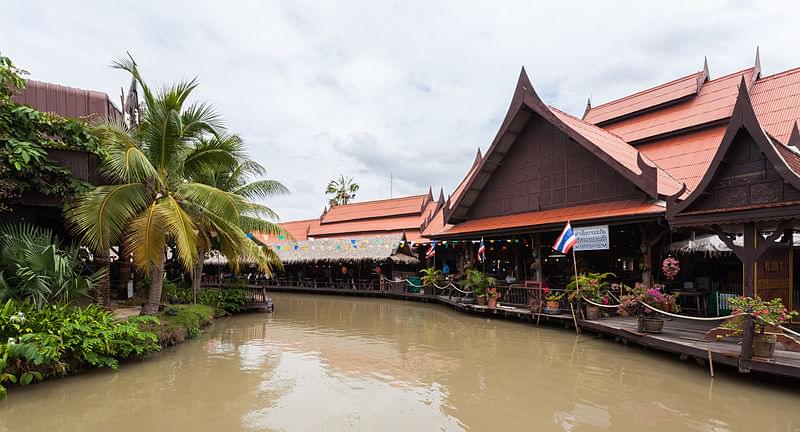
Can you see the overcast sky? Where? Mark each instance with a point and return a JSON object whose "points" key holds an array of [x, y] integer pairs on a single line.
{"points": [[373, 88]]}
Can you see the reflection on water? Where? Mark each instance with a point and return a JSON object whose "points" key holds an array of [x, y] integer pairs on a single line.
{"points": [[334, 363]]}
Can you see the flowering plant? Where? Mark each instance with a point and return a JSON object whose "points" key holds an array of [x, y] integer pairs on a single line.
{"points": [[670, 267], [493, 293], [771, 312], [630, 304], [549, 295]]}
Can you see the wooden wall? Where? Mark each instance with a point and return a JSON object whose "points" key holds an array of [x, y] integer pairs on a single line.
{"points": [[744, 178], [544, 169]]}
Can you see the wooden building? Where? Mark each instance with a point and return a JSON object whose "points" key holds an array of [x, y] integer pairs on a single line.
{"points": [[691, 156], [359, 235]]}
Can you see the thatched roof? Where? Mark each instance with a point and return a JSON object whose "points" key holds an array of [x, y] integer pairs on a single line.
{"points": [[371, 248]]}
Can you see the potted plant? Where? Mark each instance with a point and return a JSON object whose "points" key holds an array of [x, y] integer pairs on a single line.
{"points": [[631, 304], [592, 287], [552, 299], [431, 276], [479, 282], [767, 316], [492, 295]]}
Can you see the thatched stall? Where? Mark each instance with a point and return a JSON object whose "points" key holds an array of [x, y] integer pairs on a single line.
{"points": [[371, 249]]}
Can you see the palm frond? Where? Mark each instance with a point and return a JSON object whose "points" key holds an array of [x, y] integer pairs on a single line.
{"points": [[125, 160], [100, 216], [262, 189], [181, 229], [222, 204], [146, 238]]}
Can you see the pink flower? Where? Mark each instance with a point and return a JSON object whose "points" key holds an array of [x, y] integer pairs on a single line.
{"points": [[605, 301]]}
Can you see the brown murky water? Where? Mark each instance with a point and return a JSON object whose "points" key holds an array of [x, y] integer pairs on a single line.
{"points": [[337, 363]]}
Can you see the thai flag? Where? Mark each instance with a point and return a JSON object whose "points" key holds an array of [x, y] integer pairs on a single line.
{"points": [[566, 240], [432, 250], [481, 252]]}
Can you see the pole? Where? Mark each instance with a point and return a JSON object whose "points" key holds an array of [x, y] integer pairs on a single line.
{"points": [[577, 290]]}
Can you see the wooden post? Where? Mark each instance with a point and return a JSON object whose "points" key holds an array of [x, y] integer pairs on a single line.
{"points": [[748, 261], [746, 354], [536, 246]]}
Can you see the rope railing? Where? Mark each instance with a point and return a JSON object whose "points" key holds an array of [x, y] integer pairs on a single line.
{"points": [[687, 317]]}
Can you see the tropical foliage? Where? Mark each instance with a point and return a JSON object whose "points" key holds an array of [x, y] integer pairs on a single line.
{"points": [[431, 276], [239, 179], [25, 136], [766, 313], [227, 300], [60, 339], [33, 268], [478, 281], [154, 202], [343, 190], [592, 286]]}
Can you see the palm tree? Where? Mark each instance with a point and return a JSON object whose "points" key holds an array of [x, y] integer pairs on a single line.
{"points": [[235, 179], [343, 190], [151, 203]]}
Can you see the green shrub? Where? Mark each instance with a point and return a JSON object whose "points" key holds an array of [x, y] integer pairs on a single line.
{"points": [[227, 300], [179, 322], [32, 267], [58, 337]]}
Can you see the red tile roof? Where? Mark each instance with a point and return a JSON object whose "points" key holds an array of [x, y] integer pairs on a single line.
{"points": [[685, 157], [544, 218], [713, 103], [378, 208], [646, 99], [776, 101], [402, 215], [385, 225]]}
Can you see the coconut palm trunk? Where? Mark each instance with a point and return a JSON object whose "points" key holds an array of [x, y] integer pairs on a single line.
{"points": [[197, 274], [103, 288], [156, 285]]}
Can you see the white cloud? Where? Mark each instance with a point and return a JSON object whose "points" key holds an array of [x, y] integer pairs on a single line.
{"points": [[372, 88]]}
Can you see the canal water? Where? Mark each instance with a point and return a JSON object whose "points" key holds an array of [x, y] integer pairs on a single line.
{"points": [[324, 363]]}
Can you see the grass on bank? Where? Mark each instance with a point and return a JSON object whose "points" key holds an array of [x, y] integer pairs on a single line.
{"points": [[177, 323]]}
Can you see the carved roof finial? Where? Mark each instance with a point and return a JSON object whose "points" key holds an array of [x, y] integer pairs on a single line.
{"points": [[757, 65], [588, 107]]}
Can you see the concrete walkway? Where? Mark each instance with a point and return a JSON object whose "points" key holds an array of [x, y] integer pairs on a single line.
{"points": [[125, 312]]}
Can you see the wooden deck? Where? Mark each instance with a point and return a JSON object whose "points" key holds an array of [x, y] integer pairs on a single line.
{"points": [[681, 337], [686, 338]]}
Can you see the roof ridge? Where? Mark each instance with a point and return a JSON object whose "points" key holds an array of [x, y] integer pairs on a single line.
{"points": [[647, 90], [779, 74], [591, 124], [381, 200]]}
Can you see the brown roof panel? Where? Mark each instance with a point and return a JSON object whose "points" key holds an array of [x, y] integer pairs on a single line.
{"points": [[65, 101], [646, 99], [586, 212]]}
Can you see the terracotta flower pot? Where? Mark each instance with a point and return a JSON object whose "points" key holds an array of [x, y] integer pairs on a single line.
{"points": [[551, 307], [592, 312], [763, 346], [480, 300], [492, 302]]}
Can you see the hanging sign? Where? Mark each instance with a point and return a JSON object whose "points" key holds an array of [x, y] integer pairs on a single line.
{"points": [[591, 238]]}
